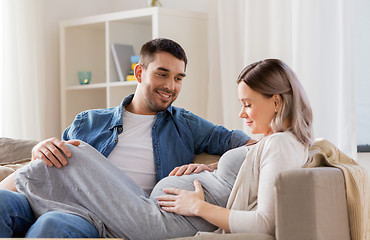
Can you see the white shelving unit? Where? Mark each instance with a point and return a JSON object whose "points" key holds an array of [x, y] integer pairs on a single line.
{"points": [[85, 45]]}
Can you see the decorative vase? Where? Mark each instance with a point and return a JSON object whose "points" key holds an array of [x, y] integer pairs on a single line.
{"points": [[154, 3]]}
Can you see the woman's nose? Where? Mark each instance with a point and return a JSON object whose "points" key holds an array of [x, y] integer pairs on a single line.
{"points": [[243, 113]]}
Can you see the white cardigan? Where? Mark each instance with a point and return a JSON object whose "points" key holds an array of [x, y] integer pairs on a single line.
{"points": [[252, 198]]}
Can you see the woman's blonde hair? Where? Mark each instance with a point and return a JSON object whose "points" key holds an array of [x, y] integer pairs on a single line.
{"points": [[273, 76]]}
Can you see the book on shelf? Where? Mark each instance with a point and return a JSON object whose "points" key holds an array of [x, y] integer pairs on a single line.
{"points": [[122, 59], [134, 61], [130, 78]]}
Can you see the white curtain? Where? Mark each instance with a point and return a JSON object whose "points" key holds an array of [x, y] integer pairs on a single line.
{"points": [[313, 37], [21, 69]]}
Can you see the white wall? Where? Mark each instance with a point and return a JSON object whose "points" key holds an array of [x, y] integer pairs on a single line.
{"points": [[59, 10]]}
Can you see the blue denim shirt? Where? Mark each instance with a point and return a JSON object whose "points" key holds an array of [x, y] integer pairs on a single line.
{"points": [[177, 135]]}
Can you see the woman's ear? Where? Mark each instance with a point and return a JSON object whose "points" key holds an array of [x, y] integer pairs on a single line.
{"points": [[138, 71], [277, 100]]}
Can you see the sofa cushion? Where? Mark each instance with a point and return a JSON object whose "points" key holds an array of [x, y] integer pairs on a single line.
{"points": [[14, 154]]}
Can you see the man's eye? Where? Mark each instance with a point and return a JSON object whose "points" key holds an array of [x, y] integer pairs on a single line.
{"points": [[161, 74], [247, 105], [178, 79]]}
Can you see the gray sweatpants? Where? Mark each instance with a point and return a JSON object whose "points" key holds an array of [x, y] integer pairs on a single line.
{"points": [[93, 188]]}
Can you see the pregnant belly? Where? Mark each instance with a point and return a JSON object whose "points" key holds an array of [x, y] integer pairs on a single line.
{"points": [[216, 191]]}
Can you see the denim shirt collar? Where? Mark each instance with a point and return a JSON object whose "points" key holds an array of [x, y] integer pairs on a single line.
{"points": [[117, 116]]}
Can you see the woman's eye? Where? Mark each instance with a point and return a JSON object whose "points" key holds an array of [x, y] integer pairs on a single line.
{"points": [[247, 105]]}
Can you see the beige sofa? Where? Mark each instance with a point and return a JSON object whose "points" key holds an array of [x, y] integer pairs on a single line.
{"points": [[310, 202], [14, 154], [310, 205]]}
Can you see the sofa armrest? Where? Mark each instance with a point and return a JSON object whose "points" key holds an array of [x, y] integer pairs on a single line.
{"points": [[311, 204]]}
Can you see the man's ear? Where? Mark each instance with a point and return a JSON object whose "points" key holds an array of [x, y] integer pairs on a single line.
{"points": [[138, 71]]}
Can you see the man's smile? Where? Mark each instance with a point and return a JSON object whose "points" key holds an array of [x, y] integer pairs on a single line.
{"points": [[164, 95]]}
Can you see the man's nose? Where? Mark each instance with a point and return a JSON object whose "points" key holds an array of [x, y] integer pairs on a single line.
{"points": [[170, 84]]}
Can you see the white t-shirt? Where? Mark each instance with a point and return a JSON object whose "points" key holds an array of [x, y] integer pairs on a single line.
{"points": [[133, 153]]}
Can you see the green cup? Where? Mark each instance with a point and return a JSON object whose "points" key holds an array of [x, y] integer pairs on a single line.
{"points": [[84, 77]]}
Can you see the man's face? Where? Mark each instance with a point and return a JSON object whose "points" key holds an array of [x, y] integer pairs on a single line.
{"points": [[160, 83]]}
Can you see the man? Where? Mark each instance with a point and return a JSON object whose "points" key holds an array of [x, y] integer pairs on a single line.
{"points": [[145, 136]]}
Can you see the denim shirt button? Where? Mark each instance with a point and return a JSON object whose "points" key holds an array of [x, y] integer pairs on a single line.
{"points": [[120, 129], [115, 140]]}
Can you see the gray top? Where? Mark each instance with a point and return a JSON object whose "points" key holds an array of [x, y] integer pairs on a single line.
{"points": [[217, 184], [93, 188]]}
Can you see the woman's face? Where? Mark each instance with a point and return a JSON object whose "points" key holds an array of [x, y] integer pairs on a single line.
{"points": [[257, 110]]}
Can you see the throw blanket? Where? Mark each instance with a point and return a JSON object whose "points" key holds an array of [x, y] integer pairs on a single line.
{"points": [[324, 153]]}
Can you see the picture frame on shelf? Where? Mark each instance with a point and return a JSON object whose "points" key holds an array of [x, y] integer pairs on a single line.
{"points": [[122, 59]]}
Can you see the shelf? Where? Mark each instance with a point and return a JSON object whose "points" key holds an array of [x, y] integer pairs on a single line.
{"points": [[85, 51], [87, 86], [123, 84], [102, 85], [78, 101]]}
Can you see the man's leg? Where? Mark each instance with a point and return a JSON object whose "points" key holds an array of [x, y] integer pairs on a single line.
{"points": [[62, 225], [16, 215]]}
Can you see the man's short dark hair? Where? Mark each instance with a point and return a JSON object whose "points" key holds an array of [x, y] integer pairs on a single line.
{"points": [[152, 47]]}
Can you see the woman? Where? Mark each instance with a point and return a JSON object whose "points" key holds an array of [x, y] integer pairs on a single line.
{"points": [[274, 104]]}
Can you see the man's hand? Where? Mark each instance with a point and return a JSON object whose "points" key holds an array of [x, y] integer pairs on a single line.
{"points": [[190, 168], [50, 151]]}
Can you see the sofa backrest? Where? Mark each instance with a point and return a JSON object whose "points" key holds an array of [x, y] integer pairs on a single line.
{"points": [[12, 150]]}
